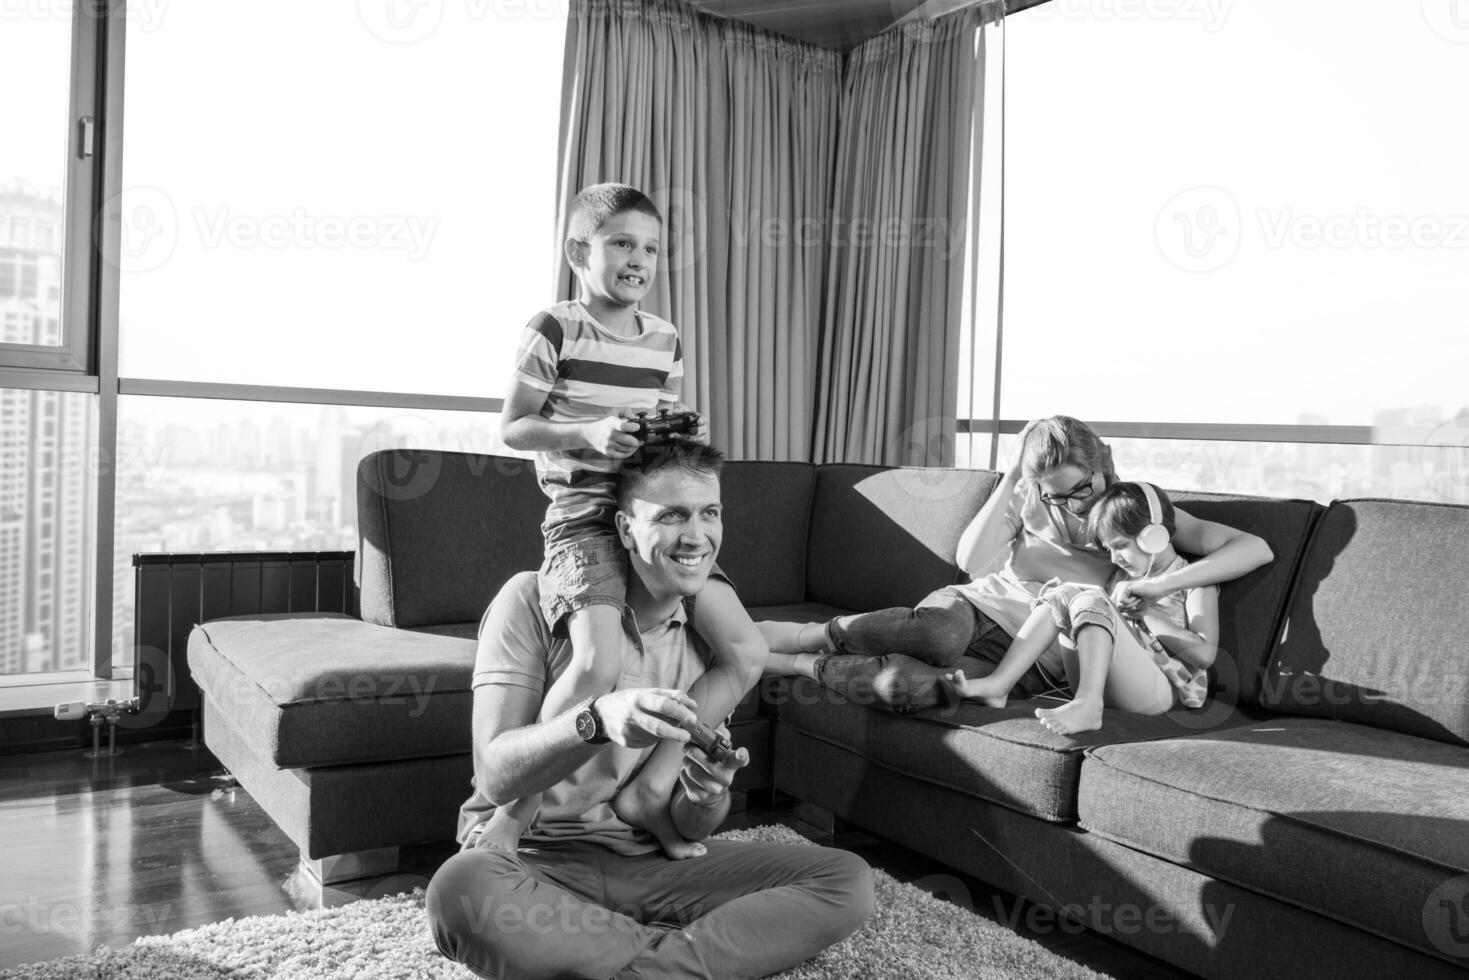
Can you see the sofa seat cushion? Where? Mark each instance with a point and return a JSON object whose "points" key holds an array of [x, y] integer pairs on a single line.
{"points": [[323, 689], [1315, 812], [1001, 755]]}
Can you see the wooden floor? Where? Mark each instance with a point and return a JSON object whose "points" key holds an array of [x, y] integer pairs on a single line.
{"points": [[158, 839]]}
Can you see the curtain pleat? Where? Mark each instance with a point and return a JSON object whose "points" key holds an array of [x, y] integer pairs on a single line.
{"points": [[732, 132], [888, 373]]}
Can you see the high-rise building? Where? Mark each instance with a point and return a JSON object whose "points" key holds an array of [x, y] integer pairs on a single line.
{"points": [[46, 440]]}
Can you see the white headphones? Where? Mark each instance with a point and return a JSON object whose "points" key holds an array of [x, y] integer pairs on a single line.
{"points": [[1153, 539]]}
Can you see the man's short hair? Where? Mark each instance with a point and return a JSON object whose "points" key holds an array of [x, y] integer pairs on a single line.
{"points": [[595, 204], [693, 458]]}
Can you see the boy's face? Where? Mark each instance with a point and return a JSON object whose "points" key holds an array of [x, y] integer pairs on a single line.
{"points": [[1126, 554], [617, 264]]}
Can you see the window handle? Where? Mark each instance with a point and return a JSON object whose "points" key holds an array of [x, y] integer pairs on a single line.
{"points": [[89, 136]]}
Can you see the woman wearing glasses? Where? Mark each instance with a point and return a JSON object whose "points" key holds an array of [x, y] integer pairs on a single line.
{"points": [[1031, 530]]}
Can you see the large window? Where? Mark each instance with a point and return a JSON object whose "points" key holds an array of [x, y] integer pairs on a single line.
{"points": [[355, 196], [323, 231], [1245, 214]]}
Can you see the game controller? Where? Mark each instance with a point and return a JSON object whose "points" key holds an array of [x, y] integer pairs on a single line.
{"points": [[666, 424], [718, 748]]}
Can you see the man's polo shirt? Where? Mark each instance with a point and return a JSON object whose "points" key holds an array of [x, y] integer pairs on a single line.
{"points": [[525, 654]]}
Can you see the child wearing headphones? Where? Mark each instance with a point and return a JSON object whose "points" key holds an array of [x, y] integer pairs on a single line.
{"points": [[1146, 661]]}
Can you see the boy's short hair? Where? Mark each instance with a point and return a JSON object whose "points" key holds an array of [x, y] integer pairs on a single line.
{"points": [[1122, 509], [688, 457], [595, 204]]}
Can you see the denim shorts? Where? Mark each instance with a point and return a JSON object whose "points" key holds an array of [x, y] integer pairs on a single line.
{"points": [[585, 572]]}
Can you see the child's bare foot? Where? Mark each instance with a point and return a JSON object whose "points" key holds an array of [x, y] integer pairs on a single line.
{"points": [[503, 830], [981, 689], [1075, 716], [647, 808]]}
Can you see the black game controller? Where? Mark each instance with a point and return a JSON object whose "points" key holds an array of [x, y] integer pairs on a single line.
{"points": [[667, 424], [718, 748]]}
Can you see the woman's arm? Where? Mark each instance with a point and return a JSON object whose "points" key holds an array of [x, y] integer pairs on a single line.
{"points": [[989, 531], [1225, 553], [1199, 643]]}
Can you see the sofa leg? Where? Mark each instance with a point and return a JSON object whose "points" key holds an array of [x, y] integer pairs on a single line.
{"points": [[352, 864]]}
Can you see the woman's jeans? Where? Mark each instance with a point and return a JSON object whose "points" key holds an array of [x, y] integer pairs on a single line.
{"points": [[896, 657]]}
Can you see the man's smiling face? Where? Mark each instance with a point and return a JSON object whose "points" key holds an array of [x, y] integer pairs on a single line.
{"points": [[672, 528]]}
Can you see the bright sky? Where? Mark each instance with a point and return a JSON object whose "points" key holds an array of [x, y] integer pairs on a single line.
{"points": [[1244, 209], [1315, 152]]}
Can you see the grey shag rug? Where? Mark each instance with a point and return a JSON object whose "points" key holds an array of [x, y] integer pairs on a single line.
{"points": [[912, 934]]}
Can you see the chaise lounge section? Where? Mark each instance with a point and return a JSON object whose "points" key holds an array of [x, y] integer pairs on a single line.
{"points": [[1313, 818]]}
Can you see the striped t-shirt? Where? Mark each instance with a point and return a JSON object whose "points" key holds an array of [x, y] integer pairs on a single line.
{"points": [[589, 373]]}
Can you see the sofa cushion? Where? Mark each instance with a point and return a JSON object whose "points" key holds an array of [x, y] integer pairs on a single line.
{"points": [[324, 689], [1375, 632], [1316, 813], [440, 532], [1252, 606], [886, 537], [1002, 755], [767, 511]]}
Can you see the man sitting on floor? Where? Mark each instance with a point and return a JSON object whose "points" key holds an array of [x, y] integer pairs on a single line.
{"points": [[585, 894]]}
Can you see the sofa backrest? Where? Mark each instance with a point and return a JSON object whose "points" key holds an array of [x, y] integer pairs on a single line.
{"points": [[767, 517], [1252, 607], [884, 536], [1376, 628], [440, 532]]}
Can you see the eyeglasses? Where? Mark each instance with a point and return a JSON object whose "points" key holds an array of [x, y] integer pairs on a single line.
{"points": [[1081, 491]]}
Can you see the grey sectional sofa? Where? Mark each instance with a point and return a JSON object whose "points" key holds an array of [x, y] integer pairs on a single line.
{"points": [[1312, 820]]}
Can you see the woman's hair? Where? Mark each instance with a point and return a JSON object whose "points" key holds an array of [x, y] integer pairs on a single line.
{"points": [[1054, 442], [1122, 511]]}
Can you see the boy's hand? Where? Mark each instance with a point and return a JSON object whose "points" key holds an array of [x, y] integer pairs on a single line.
{"points": [[612, 437], [703, 779], [1131, 595]]}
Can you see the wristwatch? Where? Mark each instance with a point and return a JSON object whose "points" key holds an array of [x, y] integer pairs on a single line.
{"points": [[589, 725]]}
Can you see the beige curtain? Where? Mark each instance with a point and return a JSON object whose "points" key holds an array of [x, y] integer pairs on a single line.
{"points": [[732, 132], [888, 385]]}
